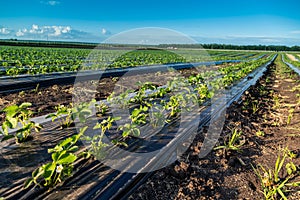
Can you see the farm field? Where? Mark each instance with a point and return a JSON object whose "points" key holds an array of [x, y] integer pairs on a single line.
{"points": [[263, 118], [57, 140], [38, 60], [158, 100]]}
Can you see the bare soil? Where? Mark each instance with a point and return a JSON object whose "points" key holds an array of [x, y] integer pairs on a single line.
{"points": [[291, 57], [231, 176]]}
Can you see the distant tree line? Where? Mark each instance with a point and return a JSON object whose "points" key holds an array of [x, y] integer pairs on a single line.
{"points": [[234, 47], [61, 44]]}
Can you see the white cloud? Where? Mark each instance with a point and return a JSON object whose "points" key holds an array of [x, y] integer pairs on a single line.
{"points": [[35, 27], [104, 31], [59, 30], [66, 29], [19, 33], [50, 3], [4, 31], [52, 31]]}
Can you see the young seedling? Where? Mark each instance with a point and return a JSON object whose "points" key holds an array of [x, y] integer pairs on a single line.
{"points": [[276, 101], [260, 133], [196, 79], [157, 117], [174, 104], [274, 186], [16, 115], [129, 129], [64, 114], [102, 108], [61, 166], [141, 93], [234, 142], [161, 92], [290, 116], [115, 79], [97, 148], [68, 114], [138, 115], [255, 106], [82, 111], [36, 88], [203, 92], [122, 99]]}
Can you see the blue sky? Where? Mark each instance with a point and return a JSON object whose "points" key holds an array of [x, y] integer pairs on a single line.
{"points": [[207, 21]]}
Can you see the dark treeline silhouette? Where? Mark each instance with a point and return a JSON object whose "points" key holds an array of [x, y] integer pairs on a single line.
{"points": [[60, 44], [234, 47]]}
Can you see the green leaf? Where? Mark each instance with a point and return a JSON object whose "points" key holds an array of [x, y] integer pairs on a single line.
{"points": [[55, 156], [11, 122], [145, 108], [51, 116], [281, 194], [11, 111], [82, 130], [66, 142], [87, 138], [25, 105], [125, 133], [289, 171], [74, 115], [28, 182], [85, 154], [49, 170], [136, 132], [5, 127], [67, 158], [219, 147], [296, 184], [38, 127], [27, 127], [61, 112], [98, 125], [116, 118], [38, 172], [74, 149], [135, 112]]}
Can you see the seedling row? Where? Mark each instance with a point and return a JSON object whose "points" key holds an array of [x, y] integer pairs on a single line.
{"points": [[149, 107], [29, 60]]}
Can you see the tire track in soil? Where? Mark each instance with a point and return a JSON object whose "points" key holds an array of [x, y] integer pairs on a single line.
{"points": [[218, 176]]}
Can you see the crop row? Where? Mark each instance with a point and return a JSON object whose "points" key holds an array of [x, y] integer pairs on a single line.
{"points": [[293, 62], [150, 105], [22, 60]]}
